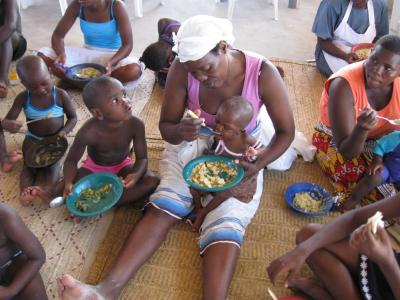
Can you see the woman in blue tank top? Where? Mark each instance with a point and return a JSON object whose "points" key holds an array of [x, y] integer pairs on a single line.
{"points": [[107, 39]]}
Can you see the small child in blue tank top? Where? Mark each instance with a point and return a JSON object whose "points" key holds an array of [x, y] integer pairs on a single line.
{"points": [[41, 100], [385, 167]]}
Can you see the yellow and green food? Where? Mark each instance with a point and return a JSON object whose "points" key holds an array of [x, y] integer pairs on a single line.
{"points": [[46, 157], [213, 174], [307, 203], [363, 53], [88, 197], [87, 73]]}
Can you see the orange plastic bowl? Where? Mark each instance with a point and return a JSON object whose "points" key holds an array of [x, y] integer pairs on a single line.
{"points": [[361, 47]]}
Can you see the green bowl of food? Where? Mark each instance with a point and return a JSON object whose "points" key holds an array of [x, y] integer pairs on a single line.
{"points": [[212, 173], [94, 194]]}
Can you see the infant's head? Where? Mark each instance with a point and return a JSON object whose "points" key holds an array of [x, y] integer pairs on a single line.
{"points": [[234, 114]]}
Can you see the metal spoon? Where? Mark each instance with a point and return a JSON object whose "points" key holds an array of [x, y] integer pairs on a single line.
{"points": [[394, 122], [56, 202], [272, 294], [391, 121]]}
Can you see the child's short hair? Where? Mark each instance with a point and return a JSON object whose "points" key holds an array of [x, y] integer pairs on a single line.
{"points": [[30, 65], [92, 91], [239, 107], [390, 42], [155, 56]]}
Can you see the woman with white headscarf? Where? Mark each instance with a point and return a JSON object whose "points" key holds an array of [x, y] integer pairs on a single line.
{"points": [[207, 71]]}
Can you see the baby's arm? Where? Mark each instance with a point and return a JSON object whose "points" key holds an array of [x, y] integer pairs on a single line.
{"points": [[69, 111], [140, 148], [74, 155], [17, 232]]}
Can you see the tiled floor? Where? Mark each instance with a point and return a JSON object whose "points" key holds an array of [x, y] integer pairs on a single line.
{"points": [[289, 37]]}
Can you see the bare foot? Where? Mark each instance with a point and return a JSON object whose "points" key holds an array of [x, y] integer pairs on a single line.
{"points": [[309, 287], [3, 89], [12, 158], [71, 289], [32, 192]]}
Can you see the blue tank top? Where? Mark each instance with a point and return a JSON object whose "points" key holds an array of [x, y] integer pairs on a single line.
{"points": [[33, 112], [101, 35]]}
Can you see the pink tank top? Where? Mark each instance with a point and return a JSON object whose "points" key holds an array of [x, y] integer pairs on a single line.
{"points": [[249, 91]]}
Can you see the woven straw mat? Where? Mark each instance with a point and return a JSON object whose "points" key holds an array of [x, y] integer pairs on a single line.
{"points": [[174, 272], [69, 247]]}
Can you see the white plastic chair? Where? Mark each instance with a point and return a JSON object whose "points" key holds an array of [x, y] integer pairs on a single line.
{"points": [[25, 4], [138, 7], [63, 6], [231, 6]]}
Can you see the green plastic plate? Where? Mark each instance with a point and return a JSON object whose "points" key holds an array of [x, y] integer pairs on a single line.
{"points": [[95, 181], [187, 172]]}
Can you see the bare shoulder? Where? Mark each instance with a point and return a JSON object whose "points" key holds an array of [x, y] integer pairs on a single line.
{"points": [[177, 80], [62, 95], [75, 5], [119, 6], [270, 84], [340, 90], [85, 133], [268, 71], [136, 124], [21, 97]]}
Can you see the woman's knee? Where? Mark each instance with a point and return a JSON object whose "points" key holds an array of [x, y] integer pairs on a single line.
{"points": [[127, 73], [306, 232]]}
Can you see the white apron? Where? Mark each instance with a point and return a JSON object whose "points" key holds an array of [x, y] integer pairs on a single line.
{"points": [[345, 37]]}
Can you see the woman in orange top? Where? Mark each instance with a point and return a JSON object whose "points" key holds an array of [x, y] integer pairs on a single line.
{"points": [[350, 103]]}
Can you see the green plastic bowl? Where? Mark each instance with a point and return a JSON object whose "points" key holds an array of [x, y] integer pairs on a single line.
{"points": [[187, 172], [95, 181]]}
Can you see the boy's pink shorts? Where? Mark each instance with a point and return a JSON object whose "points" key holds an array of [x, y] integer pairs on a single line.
{"points": [[89, 164]]}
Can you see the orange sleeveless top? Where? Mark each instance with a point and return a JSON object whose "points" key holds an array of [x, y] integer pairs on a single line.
{"points": [[354, 75]]}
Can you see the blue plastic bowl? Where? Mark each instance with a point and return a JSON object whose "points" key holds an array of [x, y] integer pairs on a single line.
{"points": [[315, 192], [95, 181], [187, 172]]}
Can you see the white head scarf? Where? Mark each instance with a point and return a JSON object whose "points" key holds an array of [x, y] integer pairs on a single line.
{"points": [[200, 34]]}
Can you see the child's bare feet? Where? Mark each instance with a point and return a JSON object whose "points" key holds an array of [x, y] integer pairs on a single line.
{"points": [[7, 164], [308, 287], [71, 289], [32, 192]]}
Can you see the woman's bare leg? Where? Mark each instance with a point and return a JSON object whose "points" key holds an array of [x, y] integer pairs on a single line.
{"points": [[145, 238], [219, 264], [127, 73]]}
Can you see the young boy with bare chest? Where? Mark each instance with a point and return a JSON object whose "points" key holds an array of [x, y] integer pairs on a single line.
{"points": [[107, 137], [21, 257], [41, 100]]}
